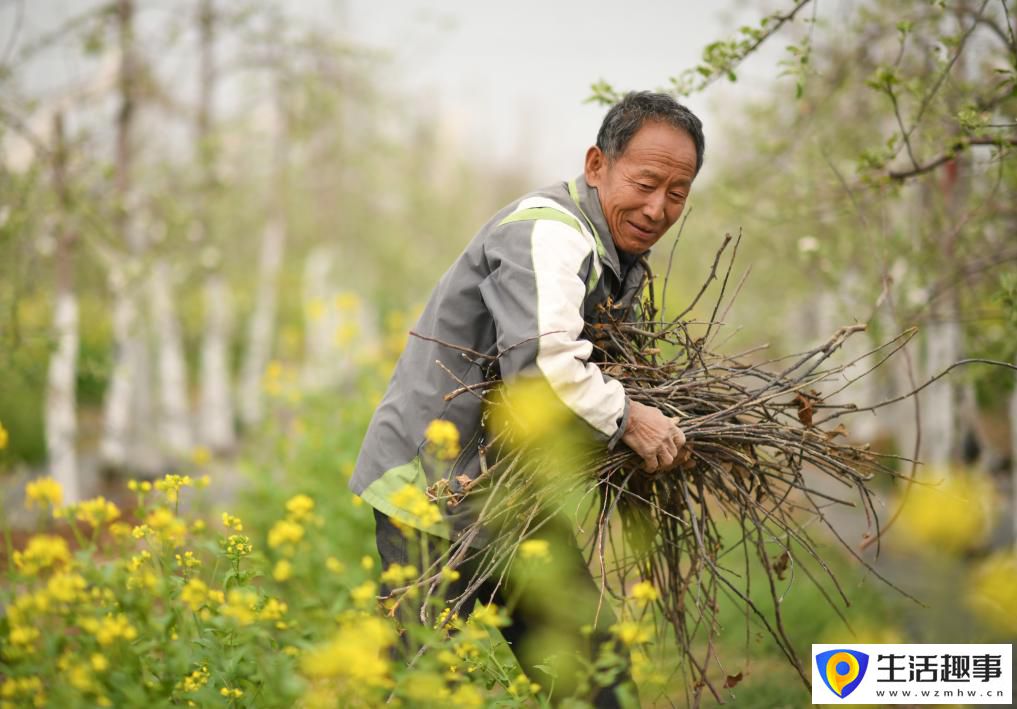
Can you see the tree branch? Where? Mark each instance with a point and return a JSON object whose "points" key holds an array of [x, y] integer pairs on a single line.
{"points": [[958, 146]]}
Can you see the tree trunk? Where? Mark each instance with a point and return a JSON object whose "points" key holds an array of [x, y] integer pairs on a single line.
{"points": [[61, 414], [321, 358], [129, 441], [939, 401], [127, 436], [174, 419], [215, 413], [261, 331]]}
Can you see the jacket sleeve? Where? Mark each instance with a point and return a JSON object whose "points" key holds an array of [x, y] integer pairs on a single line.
{"points": [[535, 292]]}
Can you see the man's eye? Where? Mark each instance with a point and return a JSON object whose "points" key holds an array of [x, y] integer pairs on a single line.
{"points": [[645, 187], [676, 196]]}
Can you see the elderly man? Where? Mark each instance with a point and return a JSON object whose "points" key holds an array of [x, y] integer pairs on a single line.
{"points": [[519, 295]]}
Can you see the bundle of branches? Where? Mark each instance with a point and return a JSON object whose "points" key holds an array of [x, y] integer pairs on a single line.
{"points": [[759, 439]]}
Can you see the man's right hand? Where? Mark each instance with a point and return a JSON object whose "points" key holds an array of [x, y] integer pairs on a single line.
{"points": [[656, 438]]}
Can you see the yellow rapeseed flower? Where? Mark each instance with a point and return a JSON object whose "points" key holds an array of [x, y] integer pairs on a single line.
{"points": [[950, 517], [992, 594], [42, 551], [522, 686], [315, 309], [120, 530], [97, 511], [467, 696], [489, 616], [200, 456], [240, 604], [110, 629], [3, 437], [231, 522], [238, 545], [347, 301], [43, 492], [66, 587], [443, 439], [172, 484], [334, 565], [23, 635], [194, 594], [299, 507], [282, 571], [535, 549], [188, 560], [414, 501], [194, 681], [170, 528], [644, 593], [397, 575], [631, 633], [285, 532], [274, 609], [364, 594], [357, 653]]}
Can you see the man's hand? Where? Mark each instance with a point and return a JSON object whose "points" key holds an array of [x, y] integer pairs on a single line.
{"points": [[653, 436]]}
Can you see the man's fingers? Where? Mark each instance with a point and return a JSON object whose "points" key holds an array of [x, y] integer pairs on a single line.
{"points": [[669, 448], [678, 436], [665, 459]]}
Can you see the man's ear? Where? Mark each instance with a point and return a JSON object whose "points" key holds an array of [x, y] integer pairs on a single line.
{"points": [[595, 165]]}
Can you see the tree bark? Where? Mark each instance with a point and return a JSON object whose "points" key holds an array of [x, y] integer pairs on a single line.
{"points": [[215, 410], [321, 357], [261, 330], [217, 429], [127, 436], [174, 418], [61, 414], [939, 401]]}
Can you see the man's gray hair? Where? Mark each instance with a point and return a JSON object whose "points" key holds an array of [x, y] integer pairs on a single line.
{"points": [[636, 108]]}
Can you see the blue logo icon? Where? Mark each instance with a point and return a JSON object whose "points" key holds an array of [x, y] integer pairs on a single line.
{"points": [[842, 670]]}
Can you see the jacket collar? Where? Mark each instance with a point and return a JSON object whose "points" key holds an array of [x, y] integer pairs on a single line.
{"points": [[589, 204]]}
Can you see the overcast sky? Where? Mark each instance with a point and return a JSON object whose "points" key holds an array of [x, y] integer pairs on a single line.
{"points": [[507, 81], [510, 78]]}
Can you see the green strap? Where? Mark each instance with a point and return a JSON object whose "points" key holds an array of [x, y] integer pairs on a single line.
{"points": [[552, 214], [534, 213], [574, 194]]}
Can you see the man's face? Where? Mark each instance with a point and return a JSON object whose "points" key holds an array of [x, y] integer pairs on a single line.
{"points": [[643, 191]]}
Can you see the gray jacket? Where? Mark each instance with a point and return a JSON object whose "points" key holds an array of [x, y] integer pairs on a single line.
{"points": [[522, 289]]}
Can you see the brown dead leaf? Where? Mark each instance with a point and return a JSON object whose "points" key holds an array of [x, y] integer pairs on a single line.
{"points": [[781, 563], [841, 430], [732, 680], [804, 409]]}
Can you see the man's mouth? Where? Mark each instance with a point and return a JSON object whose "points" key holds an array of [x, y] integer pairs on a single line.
{"points": [[642, 231]]}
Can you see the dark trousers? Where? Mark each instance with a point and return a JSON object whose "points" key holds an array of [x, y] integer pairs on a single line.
{"points": [[561, 608]]}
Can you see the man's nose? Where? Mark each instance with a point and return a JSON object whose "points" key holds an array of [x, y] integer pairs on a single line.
{"points": [[653, 207]]}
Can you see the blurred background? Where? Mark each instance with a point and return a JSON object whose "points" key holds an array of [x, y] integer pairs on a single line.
{"points": [[219, 218]]}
